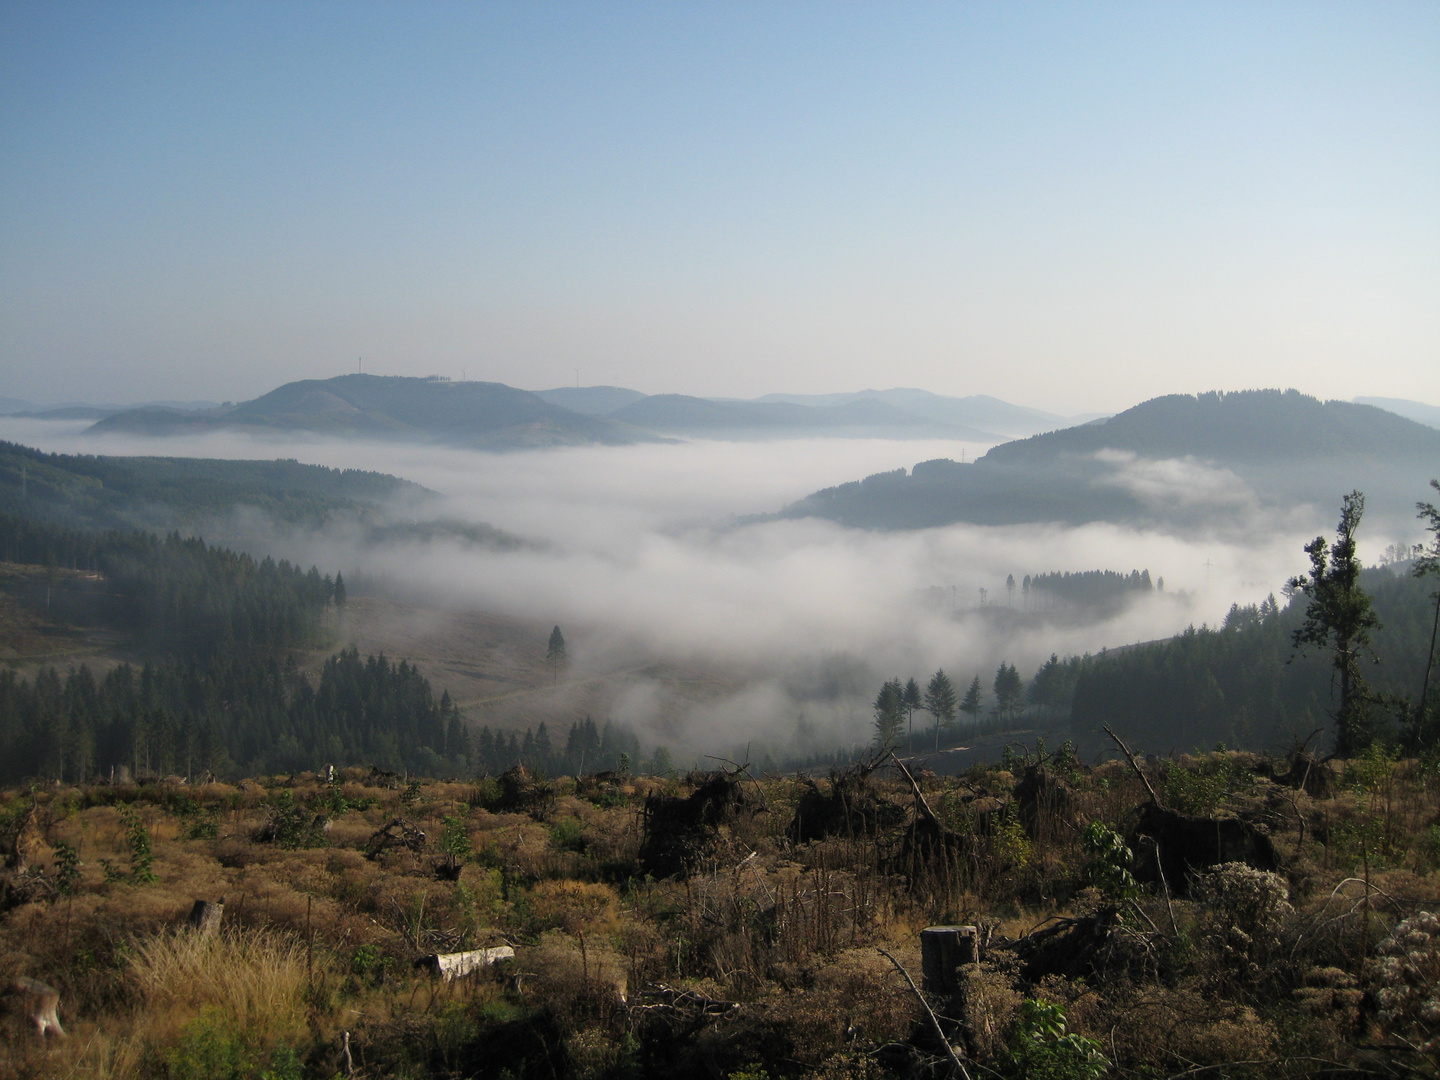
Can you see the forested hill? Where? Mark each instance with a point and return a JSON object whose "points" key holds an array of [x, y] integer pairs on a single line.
{"points": [[1243, 683], [158, 493], [1253, 426], [1276, 449], [478, 414]]}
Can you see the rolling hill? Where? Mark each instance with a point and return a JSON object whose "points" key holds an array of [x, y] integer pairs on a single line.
{"points": [[478, 414], [160, 494], [1211, 460]]}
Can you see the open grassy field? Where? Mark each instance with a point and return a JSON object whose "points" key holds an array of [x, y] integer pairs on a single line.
{"points": [[719, 925]]}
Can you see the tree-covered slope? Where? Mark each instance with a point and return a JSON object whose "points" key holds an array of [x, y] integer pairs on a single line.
{"points": [[1244, 683], [95, 492]]}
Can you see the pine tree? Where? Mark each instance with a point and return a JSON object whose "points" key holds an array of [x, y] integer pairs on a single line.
{"points": [[889, 705], [1009, 690], [940, 702], [910, 698], [972, 704], [1339, 616], [1427, 563], [339, 593], [555, 654]]}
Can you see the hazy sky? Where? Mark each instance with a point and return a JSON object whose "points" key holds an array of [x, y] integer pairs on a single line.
{"points": [[1072, 206]]}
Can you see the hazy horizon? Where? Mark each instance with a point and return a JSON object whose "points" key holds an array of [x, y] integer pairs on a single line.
{"points": [[1069, 207]]}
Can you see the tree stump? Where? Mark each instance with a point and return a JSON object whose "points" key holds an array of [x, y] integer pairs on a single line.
{"points": [[944, 950], [205, 916]]}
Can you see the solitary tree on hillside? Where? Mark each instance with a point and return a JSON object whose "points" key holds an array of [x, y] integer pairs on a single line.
{"points": [[972, 704], [1339, 616], [889, 706], [339, 593], [1428, 563], [940, 702], [555, 654], [910, 698], [1010, 590]]}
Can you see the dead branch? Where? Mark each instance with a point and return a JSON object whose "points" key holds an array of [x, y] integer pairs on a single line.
{"points": [[956, 1064], [1134, 765], [919, 795]]}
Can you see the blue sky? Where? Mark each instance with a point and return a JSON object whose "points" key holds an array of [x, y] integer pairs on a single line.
{"points": [[1072, 206]]}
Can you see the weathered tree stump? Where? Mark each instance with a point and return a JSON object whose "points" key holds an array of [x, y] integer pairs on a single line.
{"points": [[205, 916], [944, 950]]}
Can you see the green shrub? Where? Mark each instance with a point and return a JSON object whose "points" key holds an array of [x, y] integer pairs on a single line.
{"points": [[142, 859], [568, 834], [291, 825], [1042, 1049], [1108, 861], [67, 868]]}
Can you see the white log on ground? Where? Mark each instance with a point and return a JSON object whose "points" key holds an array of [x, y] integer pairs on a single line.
{"points": [[457, 965]]}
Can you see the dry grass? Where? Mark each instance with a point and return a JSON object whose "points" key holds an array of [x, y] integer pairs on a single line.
{"points": [[252, 978], [320, 940]]}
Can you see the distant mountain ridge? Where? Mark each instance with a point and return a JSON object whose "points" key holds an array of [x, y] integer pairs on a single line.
{"points": [[478, 414], [590, 400], [1418, 411], [499, 417], [678, 413], [1283, 448], [977, 410]]}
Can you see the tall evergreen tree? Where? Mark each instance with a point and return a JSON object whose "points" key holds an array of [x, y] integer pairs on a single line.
{"points": [[1009, 691], [972, 703], [911, 699], [1427, 564], [940, 702], [1339, 616], [555, 654], [889, 714]]}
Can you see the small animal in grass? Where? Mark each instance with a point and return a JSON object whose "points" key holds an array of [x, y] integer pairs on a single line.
{"points": [[37, 1001]]}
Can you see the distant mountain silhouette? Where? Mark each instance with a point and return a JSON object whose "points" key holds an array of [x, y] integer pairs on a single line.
{"points": [[680, 414], [1429, 415], [976, 411], [1281, 449], [479, 414], [590, 400]]}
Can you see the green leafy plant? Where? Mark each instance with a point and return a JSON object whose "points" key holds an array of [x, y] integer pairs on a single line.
{"points": [[455, 842], [568, 834], [67, 869], [1108, 861], [1041, 1047], [142, 858], [291, 825]]}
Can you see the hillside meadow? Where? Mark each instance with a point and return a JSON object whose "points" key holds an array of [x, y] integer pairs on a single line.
{"points": [[724, 925]]}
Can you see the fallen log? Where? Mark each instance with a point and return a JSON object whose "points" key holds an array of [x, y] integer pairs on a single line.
{"points": [[449, 966]]}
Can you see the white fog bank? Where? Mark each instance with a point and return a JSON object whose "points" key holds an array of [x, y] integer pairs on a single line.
{"points": [[643, 561]]}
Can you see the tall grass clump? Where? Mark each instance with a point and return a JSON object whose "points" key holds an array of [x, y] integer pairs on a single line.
{"points": [[251, 980]]}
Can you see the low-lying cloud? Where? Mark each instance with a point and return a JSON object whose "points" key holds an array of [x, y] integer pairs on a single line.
{"points": [[645, 560]]}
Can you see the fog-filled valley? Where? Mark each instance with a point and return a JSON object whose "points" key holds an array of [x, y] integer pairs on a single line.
{"points": [[696, 617]]}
